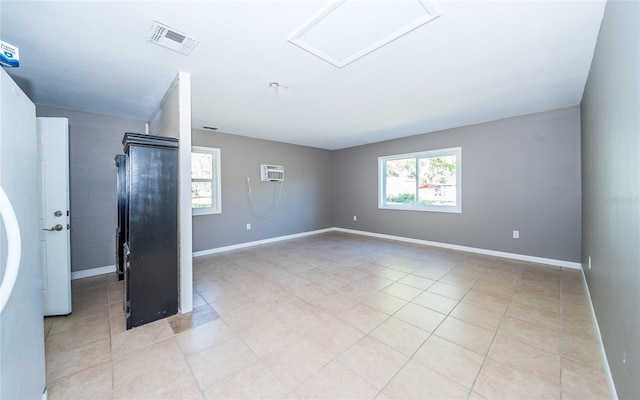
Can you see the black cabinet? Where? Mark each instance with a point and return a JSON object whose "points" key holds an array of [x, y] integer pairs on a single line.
{"points": [[121, 188], [150, 228]]}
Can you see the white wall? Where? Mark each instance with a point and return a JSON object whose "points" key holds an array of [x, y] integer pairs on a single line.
{"points": [[166, 120], [173, 119]]}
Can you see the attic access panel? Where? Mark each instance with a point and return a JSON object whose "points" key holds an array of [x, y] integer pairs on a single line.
{"points": [[345, 31]]}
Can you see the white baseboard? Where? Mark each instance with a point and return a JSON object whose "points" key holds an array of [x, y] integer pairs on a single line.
{"points": [[603, 353], [512, 256], [85, 273], [259, 242]]}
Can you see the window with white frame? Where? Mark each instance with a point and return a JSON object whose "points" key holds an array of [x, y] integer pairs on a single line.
{"points": [[424, 181], [205, 180]]}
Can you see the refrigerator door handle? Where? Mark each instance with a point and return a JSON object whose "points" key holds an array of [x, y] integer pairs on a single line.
{"points": [[13, 248]]}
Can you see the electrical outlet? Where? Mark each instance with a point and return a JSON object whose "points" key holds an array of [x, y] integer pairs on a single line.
{"points": [[516, 234], [355, 218], [248, 227]]}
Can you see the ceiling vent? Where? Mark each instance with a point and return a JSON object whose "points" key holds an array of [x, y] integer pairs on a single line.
{"points": [[172, 39]]}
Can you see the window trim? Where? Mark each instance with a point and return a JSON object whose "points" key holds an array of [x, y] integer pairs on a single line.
{"points": [[216, 185], [451, 151]]}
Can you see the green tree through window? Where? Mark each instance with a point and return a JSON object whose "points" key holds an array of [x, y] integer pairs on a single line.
{"points": [[427, 181]]}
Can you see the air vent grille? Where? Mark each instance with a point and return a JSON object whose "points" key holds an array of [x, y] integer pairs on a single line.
{"points": [[175, 36], [170, 38]]}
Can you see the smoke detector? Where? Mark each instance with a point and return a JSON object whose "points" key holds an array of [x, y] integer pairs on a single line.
{"points": [[170, 38]]}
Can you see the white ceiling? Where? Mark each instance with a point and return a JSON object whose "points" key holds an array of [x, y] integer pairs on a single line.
{"points": [[478, 61]]}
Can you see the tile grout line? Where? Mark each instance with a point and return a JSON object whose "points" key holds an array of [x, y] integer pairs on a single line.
{"points": [[459, 301], [358, 301], [520, 281], [334, 358], [184, 356], [561, 333], [94, 322], [484, 360], [113, 383], [411, 301], [246, 345], [431, 334]]}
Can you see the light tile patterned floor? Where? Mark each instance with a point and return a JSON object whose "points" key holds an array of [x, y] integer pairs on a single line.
{"points": [[338, 316]]}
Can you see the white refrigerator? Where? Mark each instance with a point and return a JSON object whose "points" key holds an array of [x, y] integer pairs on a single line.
{"points": [[22, 363]]}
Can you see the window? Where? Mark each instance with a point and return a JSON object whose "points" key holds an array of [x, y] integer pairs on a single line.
{"points": [[205, 180], [425, 181]]}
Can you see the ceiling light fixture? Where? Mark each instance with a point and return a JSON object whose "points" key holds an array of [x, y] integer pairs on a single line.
{"points": [[275, 86]]}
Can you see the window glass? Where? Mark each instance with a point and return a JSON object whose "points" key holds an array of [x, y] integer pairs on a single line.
{"points": [[401, 181], [205, 180], [427, 181], [201, 165], [201, 195], [437, 181]]}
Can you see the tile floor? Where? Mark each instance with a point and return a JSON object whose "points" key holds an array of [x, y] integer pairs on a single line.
{"points": [[338, 316]]}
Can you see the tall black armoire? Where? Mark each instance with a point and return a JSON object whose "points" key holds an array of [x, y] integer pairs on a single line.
{"points": [[150, 228], [121, 186]]}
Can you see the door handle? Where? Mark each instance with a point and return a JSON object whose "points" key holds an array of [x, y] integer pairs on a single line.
{"points": [[58, 227]]}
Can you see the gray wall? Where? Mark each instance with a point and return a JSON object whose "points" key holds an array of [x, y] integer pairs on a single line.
{"points": [[94, 140], [306, 199], [520, 173], [611, 190]]}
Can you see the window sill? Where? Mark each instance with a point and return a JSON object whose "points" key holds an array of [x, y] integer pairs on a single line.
{"points": [[204, 211], [441, 209]]}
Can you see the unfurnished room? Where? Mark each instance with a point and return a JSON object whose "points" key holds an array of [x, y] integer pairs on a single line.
{"points": [[331, 199]]}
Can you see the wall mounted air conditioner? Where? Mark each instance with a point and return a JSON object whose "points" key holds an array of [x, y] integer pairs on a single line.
{"points": [[273, 173]]}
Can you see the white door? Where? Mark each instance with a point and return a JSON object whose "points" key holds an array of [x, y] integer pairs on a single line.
{"points": [[53, 169]]}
